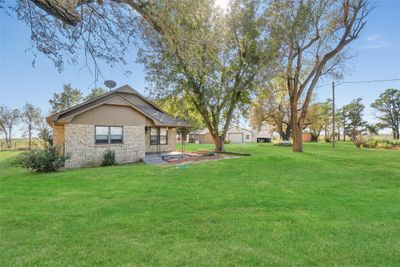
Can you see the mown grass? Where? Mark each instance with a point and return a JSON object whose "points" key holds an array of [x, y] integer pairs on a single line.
{"points": [[321, 207]]}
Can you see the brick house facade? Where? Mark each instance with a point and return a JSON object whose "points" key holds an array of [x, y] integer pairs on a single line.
{"points": [[121, 120]]}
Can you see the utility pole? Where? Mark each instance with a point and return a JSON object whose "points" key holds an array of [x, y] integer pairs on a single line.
{"points": [[333, 116]]}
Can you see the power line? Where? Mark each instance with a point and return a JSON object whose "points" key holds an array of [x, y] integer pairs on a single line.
{"points": [[367, 81], [372, 81]]}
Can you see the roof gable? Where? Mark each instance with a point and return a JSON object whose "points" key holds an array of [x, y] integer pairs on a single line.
{"points": [[119, 97]]}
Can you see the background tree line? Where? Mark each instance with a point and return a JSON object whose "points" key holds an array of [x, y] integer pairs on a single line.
{"points": [[273, 108], [32, 119]]}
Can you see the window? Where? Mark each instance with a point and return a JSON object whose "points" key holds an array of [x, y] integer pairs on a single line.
{"points": [[163, 136], [158, 136], [247, 136], [153, 136], [101, 135], [108, 134], [116, 135]]}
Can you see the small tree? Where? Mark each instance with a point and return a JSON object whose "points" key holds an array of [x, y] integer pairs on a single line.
{"points": [[45, 134], [31, 116], [8, 119], [66, 99], [354, 116], [388, 111], [272, 106], [319, 118]]}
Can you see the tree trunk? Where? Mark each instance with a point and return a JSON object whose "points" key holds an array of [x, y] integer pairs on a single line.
{"points": [[219, 144], [288, 133], [30, 137], [297, 139], [344, 129], [8, 143], [297, 129], [285, 134]]}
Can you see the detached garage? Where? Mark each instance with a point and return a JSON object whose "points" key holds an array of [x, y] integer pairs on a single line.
{"points": [[239, 135], [234, 135]]}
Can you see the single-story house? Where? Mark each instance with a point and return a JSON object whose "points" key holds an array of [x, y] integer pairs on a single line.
{"points": [[121, 120], [235, 135]]}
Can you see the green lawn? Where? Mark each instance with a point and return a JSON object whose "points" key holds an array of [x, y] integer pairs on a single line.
{"points": [[322, 207]]}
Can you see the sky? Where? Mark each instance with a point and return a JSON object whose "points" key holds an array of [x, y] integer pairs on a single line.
{"points": [[377, 57]]}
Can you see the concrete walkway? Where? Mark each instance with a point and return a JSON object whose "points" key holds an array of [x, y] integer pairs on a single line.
{"points": [[154, 158]]}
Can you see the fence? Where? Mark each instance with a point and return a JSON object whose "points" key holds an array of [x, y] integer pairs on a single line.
{"points": [[19, 144]]}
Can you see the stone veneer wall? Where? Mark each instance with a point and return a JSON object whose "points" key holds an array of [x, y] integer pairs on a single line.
{"points": [[58, 137], [83, 152], [171, 146]]}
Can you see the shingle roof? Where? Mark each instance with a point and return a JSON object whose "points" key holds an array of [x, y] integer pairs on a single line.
{"points": [[201, 131], [152, 110], [161, 117]]}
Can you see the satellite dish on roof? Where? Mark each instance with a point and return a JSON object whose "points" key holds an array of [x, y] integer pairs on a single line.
{"points": [[110, 84]]}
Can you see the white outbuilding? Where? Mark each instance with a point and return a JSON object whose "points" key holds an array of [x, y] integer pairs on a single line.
{"points": [[239, 135]]}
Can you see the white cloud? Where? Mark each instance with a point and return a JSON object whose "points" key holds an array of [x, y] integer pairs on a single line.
{"points": [[376, 41]]}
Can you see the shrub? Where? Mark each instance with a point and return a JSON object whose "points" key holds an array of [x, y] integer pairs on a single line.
{"points": [[108, 158], [359, 140], [42, 159], [227, 141], [371, 143]]}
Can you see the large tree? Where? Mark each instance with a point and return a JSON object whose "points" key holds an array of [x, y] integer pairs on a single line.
{"points": [[216, 56], [68, 97], [313, 36], [8, 119], [388, 110], [31, 116], [215, 59]]}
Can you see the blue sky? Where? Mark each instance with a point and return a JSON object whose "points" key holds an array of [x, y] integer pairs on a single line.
{"points": [[377, 57]]}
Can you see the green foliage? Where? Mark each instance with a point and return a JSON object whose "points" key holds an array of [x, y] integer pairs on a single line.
{"points": [[95, 92], [388, 111], [66, 99], [180, 106], [382, 143], [319, 118], [42, 160], [271, 106], [274, 208], [31, 116], [46, 136], [353, 117], [8, 119], [227, 141], [108, 158], [212, 60]]}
